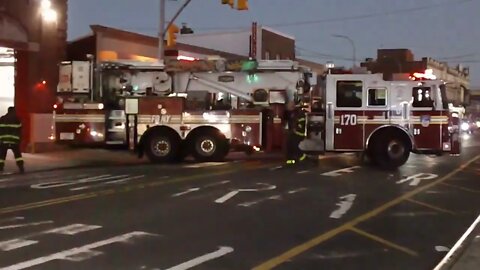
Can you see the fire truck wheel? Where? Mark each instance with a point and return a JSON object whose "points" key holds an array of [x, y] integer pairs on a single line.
{"points": [[391, 151], [209, 146], [162, 148]]}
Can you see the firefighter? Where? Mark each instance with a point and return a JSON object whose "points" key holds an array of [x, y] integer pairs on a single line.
{"points": [[296, 118], [10, 130]]}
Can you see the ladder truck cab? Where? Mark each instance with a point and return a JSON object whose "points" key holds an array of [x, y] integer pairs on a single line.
{"points": [[386, 120], [203, 108]]}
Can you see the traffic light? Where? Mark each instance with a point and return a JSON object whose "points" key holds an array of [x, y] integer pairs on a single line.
{"points": [[229, 2], [242, 4], [172, 32]]}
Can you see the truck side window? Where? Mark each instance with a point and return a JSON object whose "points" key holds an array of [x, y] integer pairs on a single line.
{"points": [[377, 97], [349, 94], [422, 97]]}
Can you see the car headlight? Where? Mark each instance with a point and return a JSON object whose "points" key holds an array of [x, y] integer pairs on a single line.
{"points": [[465, 126]]}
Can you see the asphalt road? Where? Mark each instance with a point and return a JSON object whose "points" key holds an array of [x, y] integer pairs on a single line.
{"points": [[337, 213]]}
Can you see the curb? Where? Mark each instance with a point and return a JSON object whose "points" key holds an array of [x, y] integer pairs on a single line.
{"points": [[454, 255]]}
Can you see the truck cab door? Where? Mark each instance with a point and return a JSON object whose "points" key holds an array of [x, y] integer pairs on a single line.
{"points": [[427, 120], [345, 114]]}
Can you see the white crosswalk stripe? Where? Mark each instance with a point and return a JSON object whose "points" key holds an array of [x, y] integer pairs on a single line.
{"points": [[26, 240]]}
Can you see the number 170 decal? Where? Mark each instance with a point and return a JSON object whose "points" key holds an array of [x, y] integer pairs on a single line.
{"points": [[348, 120]]}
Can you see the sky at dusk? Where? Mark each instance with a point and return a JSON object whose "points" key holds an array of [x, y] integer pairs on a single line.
{"points": [[447, 30]]}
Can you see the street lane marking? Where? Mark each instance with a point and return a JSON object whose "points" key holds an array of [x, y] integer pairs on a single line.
{"points": [[293, 191], [23, 241], [384, 242], [16, 243], [119, 181], [345, 205], [276, 168], [442, 249], [277, 197], [232, 194], [57, 184], [204, 165], [188, 191], [417, 178], [31, 224], [341, 171], [6, 179], [74, 229], [303, 172], [195, 189], [72, 254], [11, 219], [295, 251], [461, 188], [431, 206], [222, 251], [84, 196]]}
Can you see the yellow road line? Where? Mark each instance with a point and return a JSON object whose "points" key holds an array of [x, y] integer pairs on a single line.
{"points": [[384, 242], [289, 254], [431, 206], [83, 196], [461, 188]]}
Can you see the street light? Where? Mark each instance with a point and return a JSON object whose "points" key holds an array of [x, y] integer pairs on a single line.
{"points": [[353, 47], [47, 12]]}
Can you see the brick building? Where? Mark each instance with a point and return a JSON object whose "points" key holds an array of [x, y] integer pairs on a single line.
{"points": [[396, 61], [32, 42]]}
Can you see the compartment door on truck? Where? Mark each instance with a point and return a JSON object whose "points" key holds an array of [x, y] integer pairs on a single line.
{"points": [[427, 121], [345, 114]]}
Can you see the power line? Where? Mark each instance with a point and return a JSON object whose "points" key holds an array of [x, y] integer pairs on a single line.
{"points": [[352, 18]]}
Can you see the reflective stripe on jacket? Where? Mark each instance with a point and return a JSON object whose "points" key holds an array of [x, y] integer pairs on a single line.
{"points": [[10, 129]]}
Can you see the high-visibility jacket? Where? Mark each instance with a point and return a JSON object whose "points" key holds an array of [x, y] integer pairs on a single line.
{"points": [[10, 129], [297, 122]]}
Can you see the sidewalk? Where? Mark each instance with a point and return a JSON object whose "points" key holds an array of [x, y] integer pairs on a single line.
{"points": [[73, 158], [465, 255]]}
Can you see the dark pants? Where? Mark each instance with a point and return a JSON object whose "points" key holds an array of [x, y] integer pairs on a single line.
{"points": [[16, 152], [293, 149]]}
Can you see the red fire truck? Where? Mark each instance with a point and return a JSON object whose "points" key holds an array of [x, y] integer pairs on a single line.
{"points": [[204, 108], [384, 119]]}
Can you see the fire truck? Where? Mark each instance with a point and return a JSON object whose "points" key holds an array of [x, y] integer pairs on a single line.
{"points": [[386, 120], [207, 108], [203, 108]]}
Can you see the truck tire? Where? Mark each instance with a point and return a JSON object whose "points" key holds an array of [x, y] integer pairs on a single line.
{"points": [[391, 151], [162, 148], [209, 146]]}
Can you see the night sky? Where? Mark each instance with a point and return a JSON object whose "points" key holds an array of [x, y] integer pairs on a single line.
{"points": [[448, 30]]}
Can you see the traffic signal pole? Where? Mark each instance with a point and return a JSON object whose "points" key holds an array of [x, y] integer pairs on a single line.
{"points": [[161, 33], [163, 29]]}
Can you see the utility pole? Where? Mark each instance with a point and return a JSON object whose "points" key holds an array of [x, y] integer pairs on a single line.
{"points": [[161, 32]]}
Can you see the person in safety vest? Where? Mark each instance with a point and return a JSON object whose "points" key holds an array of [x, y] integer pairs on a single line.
{"points": [[297, 125], [10, 130]]}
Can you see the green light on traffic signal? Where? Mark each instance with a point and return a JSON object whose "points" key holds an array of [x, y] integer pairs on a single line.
{"points": [[249, 65]]}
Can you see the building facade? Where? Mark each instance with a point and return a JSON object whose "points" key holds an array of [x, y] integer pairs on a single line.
{"points": [[259, 42], [32, 41], [392, 62]]}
